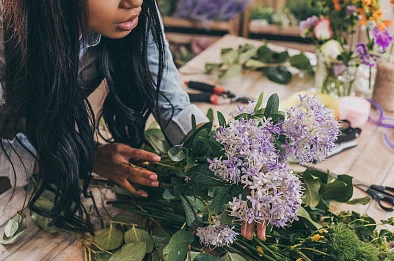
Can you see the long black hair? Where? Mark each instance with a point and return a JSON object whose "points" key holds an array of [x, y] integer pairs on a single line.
{"points": [[43, 88]]}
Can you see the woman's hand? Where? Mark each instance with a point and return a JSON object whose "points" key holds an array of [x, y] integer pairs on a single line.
{"points": [[110, 161], [247, 230]]}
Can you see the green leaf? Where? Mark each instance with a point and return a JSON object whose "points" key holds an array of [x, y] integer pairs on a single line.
{"points": [[232, 71], [229, 56], [201, 174], [192, 255], [167, 195], [109, 238], [226, 219], [176, 154], [278, 74], [156, 139], [222, 120], [43, 223], [272, 105], [301, 62], [197, 203], [210, 67], [135, 235], [220, 200], [233, 257], [210, 115], [189, 141], [206, 257], [190, 218], [254, 64], [259, 102], [176, 249], [311, 192], [102, 256], [130, 252], [19, 220], [13, 224], [303, 213], [362, 201], [324, 176], [340, 190], [245, 56], [266, 55]]}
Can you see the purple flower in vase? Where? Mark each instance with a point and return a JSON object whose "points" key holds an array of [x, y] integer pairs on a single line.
{"points": [[382, 38], [351, 9], [365, 57], [338, 69], [308, 24]]}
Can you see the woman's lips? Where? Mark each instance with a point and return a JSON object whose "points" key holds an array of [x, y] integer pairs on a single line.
{"points": [[129, 24]]}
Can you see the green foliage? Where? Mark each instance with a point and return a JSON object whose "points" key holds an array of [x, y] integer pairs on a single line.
{"points": [[109, 238], [272, 64], [345, 242], [15, 227], [130, 252], [135, 235], [312, 187], [44, 223], [176, 249], [368, 252]]}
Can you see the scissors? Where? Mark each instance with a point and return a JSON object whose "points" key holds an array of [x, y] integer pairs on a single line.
{"points": [[384, 195]]}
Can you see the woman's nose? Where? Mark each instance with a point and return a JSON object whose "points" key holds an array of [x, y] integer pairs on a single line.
{"points": [[128, 4]]}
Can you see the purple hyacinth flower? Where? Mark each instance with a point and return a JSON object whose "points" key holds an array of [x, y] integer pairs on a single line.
{"points": [[382, 38], [365, 57], [351, 9]]}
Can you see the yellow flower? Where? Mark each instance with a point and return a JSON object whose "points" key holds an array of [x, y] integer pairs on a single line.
{"points": [[322, 231], [300, 259], [316, 237], [260, 249]]}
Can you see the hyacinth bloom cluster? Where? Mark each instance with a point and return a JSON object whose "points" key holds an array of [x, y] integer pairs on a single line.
{"points": [[254, 160], [216, 235], [311, 129]]}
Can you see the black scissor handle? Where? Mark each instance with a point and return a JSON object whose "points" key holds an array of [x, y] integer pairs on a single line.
{"points": [[384, 189], [388, 201]]}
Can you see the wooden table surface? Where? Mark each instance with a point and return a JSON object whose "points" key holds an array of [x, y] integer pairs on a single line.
{"points": [[371, 161]]}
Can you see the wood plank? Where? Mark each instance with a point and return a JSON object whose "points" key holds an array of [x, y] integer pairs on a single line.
{"points": [[11, 203]]}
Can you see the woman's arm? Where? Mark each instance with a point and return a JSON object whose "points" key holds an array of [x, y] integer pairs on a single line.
{"points": [[171, 93]]}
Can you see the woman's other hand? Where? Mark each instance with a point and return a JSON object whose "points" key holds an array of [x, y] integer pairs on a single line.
{"points": [[110, 161]]}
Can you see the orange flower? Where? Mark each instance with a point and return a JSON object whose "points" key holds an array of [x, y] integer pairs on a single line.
{"points": [[388, 23], [337, 6], [366, 2], [363, 19], [376, 16], [381, 26]]}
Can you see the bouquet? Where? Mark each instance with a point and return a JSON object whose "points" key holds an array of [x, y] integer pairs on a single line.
{"points": [[333, 32]]}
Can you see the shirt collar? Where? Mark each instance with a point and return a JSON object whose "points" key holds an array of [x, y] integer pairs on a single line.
{"points": [[90, 39]]}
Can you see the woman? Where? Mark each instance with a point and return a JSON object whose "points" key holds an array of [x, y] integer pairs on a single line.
{"points": [[53, 57]]}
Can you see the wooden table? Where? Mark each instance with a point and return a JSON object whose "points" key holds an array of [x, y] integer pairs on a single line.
{"points": [[371, 161]]}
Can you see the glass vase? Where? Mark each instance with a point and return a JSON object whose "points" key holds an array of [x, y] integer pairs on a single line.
{"points": [[335, 78]]}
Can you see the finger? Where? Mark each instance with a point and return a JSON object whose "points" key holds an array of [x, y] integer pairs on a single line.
{"points": [[132, 171], [124, 183], [145, 182], [250, 230], [137, 154], [243, 228], [261, 227]]}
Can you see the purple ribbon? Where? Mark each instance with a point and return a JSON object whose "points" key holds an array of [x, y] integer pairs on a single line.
{"points": [[382, 121]]}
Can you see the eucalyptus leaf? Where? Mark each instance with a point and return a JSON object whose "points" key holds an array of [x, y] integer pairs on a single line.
{"points": [[272, 105], [232, 71], [210, 115], [206, 257], [43, 223], [311, 192], [303, 213], [130, 252], [135, 235], [233, 257], [20, 221], [176, 250], [254, 64], [102, 256], [220, 200], [229, 56], [176, 153], [362, 201], [301, 62], [278, 74], [109, 238]]}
